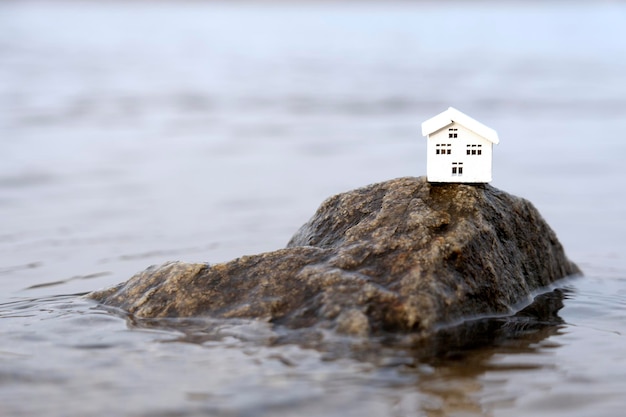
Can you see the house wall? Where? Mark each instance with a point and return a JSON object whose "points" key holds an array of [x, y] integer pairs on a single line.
{"points": [[475, 167]]}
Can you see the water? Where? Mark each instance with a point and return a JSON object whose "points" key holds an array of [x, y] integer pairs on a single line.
{"points": [[136, 133]]}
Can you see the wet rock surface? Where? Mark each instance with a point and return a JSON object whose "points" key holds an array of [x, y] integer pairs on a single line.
{"points": [[399, 257]]}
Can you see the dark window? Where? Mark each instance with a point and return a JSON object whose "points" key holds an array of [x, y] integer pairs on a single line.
{"points": [[443, 149], [474, 150], [457, 168], [452, 133]]}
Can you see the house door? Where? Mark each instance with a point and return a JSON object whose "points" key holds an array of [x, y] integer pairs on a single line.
{"points": [[457, 169]]}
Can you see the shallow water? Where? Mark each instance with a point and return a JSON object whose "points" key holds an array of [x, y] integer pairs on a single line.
{"points": [[136, 133]]}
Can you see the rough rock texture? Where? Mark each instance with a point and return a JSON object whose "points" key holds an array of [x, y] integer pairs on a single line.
{"points": [[402, 256]]}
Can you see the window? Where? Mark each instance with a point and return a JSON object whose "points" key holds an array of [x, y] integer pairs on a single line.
{"points": [[452, 133], [443, 149], [474, 150], [457, 168]]}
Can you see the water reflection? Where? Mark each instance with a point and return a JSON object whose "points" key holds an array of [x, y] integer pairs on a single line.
{"points": [[469, 342], [468, 372], [463, 369], [469, 369], [520, 332]]}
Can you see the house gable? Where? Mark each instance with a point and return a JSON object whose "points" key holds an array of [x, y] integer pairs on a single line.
{"points": [[452, 115]]}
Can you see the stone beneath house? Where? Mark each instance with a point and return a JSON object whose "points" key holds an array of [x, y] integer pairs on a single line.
{"points": [[403, 256]]}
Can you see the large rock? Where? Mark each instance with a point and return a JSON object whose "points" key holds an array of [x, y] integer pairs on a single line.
{"points": [[402, 256]]}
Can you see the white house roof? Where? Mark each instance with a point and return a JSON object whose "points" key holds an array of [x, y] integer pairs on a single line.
{"points": [[453, 115]]}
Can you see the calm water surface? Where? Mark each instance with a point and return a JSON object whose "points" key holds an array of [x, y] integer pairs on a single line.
{"points": [[136, 133]]}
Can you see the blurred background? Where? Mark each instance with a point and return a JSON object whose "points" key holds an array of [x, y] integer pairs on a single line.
{"points": [[136, 132]]}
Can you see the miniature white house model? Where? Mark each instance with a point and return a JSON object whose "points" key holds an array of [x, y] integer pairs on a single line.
{"points": [[459, 148]]}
